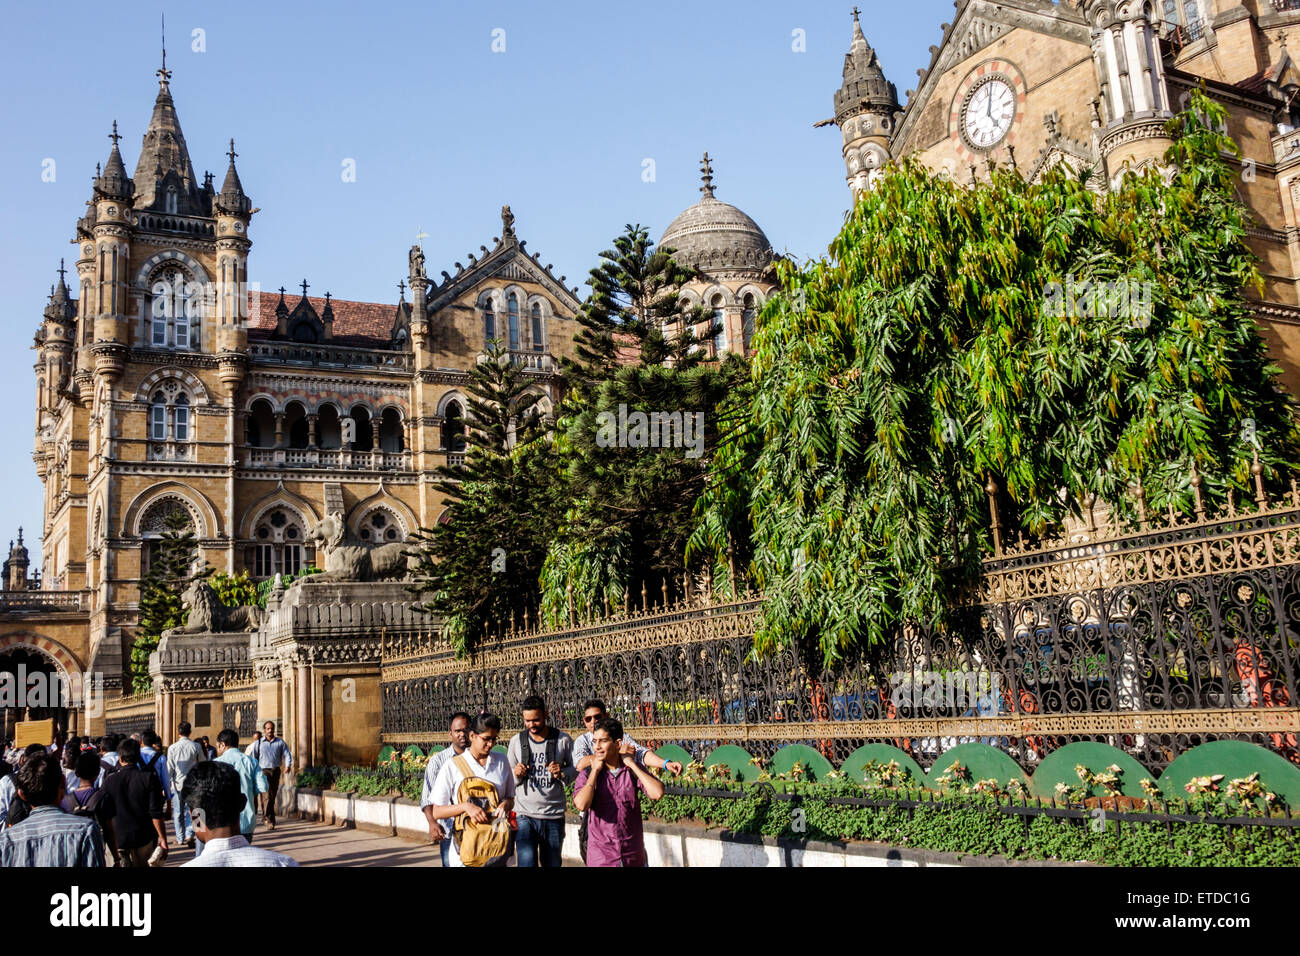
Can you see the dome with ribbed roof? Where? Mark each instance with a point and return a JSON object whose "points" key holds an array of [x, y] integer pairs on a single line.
{"points": [[715, 236]]}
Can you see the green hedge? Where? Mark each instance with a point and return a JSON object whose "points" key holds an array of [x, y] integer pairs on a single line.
{"points": [[972, 823]]}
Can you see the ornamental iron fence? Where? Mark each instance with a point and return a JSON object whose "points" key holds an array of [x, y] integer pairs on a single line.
{"points": [[1153, 640]]}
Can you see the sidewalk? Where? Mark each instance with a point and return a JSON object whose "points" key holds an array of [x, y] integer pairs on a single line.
{"points": [[315, 844]]}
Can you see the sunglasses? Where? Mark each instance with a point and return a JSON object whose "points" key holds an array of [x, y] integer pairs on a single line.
{"points": [[592, 719]]}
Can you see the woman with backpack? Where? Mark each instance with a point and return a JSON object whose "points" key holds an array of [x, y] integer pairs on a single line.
{"points": [[477, 789], [88, 800]]}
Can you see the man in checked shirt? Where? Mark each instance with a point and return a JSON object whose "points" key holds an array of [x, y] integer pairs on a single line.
{"points": [[49, 837]]}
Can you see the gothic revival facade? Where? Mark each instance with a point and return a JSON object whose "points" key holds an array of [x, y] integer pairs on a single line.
{"points": [[165, 382], [1090, 83]]}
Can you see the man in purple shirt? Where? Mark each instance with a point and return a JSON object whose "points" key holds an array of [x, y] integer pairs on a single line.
{"points": [[608, 790]]}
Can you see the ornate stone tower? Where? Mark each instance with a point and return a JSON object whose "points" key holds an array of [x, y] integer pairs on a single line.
{"points": [[1130, 74], [865, 105], [15, 566]]}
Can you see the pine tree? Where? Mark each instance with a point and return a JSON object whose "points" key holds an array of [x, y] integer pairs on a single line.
{"points": [[629, 515], [479, 566], [169, 574]]}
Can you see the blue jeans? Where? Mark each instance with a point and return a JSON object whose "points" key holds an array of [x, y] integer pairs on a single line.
{"points": [[539, 842], [181, 822], [444, 847]]}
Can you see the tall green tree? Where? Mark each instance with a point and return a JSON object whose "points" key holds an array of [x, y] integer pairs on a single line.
{"points": [[630, 493], [170, 572], [478, 568], [1063, 344], [634, 295]]}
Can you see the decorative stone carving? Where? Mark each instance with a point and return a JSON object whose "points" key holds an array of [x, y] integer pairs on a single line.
{"points": [[209, 616], [347, 558]]}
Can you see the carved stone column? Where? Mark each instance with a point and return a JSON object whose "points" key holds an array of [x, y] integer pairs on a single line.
{"points": [[303, 756]]}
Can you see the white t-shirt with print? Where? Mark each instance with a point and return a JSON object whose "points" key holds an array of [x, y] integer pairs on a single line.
{"points": [[447, 786]]}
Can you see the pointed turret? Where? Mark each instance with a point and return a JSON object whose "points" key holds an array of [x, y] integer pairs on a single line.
{"points": [[164, 148], [865, 105], [61, 308], [231, 200], [113, 183]]}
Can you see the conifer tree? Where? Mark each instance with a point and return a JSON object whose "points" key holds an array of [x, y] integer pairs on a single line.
{"points": [[478, 566]]}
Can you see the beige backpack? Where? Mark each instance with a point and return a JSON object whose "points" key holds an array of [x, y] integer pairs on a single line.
{"points": [[479, 844]]}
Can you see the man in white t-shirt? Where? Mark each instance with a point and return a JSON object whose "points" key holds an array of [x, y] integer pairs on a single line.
{"points": [[482, 762]]}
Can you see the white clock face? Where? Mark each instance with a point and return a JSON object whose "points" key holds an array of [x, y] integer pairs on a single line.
{"points": [[989, 113]]}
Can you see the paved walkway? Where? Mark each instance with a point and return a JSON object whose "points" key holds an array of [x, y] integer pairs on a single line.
{"points": [[315, 844]]}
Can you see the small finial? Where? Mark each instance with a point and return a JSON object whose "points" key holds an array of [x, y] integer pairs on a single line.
{"points": [[856, 11], [20, 534], [401, 289], [232, 154], [305, 287], [61, 270], [1011, 151], [282, 293], [113, 135], [706, 169], [327, 299]]}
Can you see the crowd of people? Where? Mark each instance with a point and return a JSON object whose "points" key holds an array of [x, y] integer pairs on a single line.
{"points": [[521, 795], [108, 801]]}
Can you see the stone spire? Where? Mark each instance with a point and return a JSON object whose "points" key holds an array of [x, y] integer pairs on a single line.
{"points": [[232, 199], [60, 308], [113, 182], [865, 105], [864, 84], [15, 568], [164, 146], [706, 176]]}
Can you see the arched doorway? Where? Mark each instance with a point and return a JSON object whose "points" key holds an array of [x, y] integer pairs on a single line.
{"points": [[32, 687]]}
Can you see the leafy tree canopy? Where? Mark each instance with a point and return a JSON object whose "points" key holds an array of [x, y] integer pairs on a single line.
{"points": [[1059, 341]]}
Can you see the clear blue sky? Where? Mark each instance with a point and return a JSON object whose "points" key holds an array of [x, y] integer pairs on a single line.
{"points": [[442, 129]]}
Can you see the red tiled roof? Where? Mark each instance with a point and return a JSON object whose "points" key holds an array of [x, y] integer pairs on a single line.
{"points": [[355, 323], [1256, 83]]}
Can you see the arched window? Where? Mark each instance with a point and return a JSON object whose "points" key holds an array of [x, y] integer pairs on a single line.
{"points": [[453, 428], [158, 417], [747, 321], [720, 324], [296, 425], [181, 418], [172, 307], [390, 430], [489, 322], [261, 425], [537, 327], [380, 527], [1186, 14], [277, 544], [512, 307]]}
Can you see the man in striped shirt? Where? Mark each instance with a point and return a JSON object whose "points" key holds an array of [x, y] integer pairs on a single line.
{"points": [[49, 837], [440, 830]]}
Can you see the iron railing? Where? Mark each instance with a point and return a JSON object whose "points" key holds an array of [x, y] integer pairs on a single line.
{"points": [[1153, 639]]}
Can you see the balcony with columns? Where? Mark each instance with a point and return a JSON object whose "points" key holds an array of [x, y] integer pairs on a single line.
{"points": [[295, 439]]}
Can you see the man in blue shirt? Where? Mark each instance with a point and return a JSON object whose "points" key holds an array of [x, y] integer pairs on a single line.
{"points": [[272, 755], [251, 782], [153, 758], [49, 837]]}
